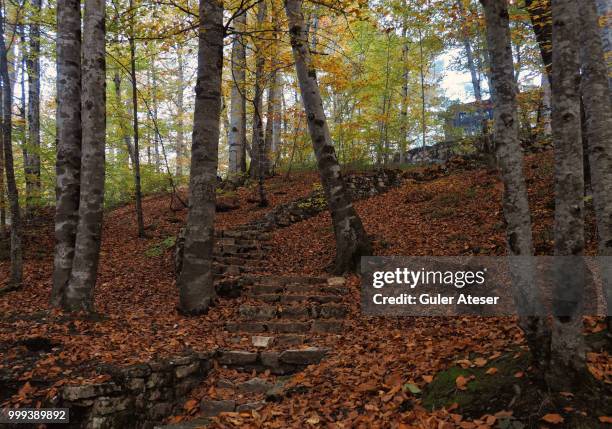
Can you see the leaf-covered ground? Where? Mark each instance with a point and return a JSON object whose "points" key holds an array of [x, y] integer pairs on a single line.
{"points": [[380, 367]]}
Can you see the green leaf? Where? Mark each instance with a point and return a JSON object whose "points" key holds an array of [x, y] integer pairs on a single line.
{"points": [[413, 388]]}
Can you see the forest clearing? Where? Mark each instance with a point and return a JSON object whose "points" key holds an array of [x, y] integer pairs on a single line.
{"points": [[198, 198]]}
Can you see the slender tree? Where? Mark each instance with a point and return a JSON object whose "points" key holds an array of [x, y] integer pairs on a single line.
{"points": [[133, 77], [195, 281], [237, 135], [180, 112], [351, 239], [69, 131], [510, 161], [33, 66], [79, 294], [11, 183]]}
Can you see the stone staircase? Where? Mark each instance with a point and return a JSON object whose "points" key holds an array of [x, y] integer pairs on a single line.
{"points": [[284, 320]]}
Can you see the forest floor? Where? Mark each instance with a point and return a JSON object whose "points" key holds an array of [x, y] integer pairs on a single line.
{"points": [[363, 384]]}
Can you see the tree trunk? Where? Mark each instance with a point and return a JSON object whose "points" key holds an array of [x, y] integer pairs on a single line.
{"points": [[79, 294], [351, 239], [596, 94], [33, 65], [180, 113], [137, 187], [195, 282], [13, 195], [567, 347], [68, 163], [238, 101], [257, 160], [604, 9], [510, 161], [541, 22], [155, 114], [122, 126]]}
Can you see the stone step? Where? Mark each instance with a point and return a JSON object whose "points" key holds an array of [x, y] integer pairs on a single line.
{"points": [[294, 312], [239, 260], [290, 299], [302, 290], [278, 362], [318, 326], [284, 280], [233, 270]]}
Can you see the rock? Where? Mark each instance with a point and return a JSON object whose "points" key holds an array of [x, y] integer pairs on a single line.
{"points": [[105, 405], [254, 385], [210, 408], [236, 357], [135, 384], [139, 370], [75, 393], [186, 370], [158, 379], [336, 281], [306, 356], [262, 342], [250, 406], [160, 411], [327, 326]]}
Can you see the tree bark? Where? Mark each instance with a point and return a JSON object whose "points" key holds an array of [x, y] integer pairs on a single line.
{"points": [[596, 94], [258, 152], [604, 9], [510, 161], [351, 239], [137, 185], [195, 281], [126, 136], [33, 65], [69, 131], [13, 194], [541, 22], [567, 347], [180, 113], [238, 101], [79, 294]]}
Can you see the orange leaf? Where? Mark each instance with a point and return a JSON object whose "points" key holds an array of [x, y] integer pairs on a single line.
{"points": [[491, 371], [554, 419], [605, 419]]}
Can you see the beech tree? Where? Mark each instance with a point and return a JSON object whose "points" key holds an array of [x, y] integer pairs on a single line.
{"points": [[237, 136], [79, 293], [568, 365], [351, 239], [195, 281], [69, 131], [9, 169], [596, 94], [510, 161]]}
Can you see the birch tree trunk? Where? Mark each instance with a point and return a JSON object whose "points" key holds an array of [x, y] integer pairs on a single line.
{"points": [[195, 281], [68, 162], [13, 195], [33, 65], [351, 239], [238, 101], [79, 294], [510, 161], [567, 347], [596, 97]]}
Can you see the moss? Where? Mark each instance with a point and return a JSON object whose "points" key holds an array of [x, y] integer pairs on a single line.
{"points": [[160, 248], [485, 393]]}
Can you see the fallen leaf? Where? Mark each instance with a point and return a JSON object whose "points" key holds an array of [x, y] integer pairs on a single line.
{"points": [[492, 371], [554, 419]]}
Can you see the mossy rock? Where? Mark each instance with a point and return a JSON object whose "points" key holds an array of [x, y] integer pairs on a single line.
{"points": [[484, 393]]}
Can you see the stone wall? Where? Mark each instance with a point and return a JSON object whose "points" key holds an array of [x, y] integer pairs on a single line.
{"points": [[360, 186], [136, 397]]}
